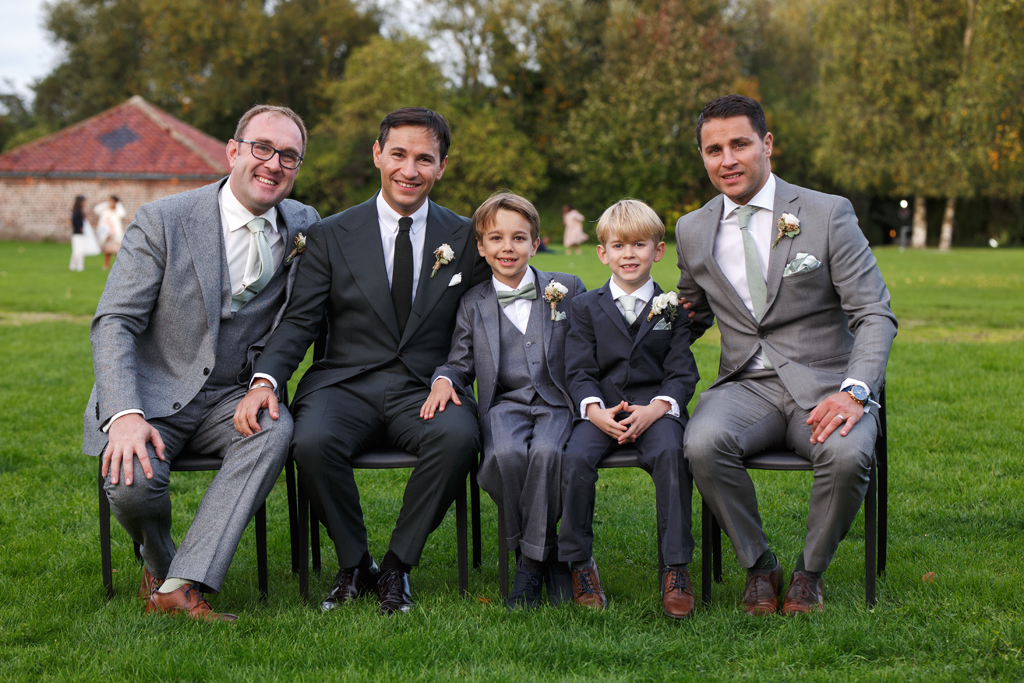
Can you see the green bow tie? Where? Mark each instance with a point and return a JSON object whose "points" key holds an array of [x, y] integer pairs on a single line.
{"points": [[528, 291]]}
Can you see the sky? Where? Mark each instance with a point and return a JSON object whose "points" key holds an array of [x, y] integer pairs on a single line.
{"points": [[25, 53]]}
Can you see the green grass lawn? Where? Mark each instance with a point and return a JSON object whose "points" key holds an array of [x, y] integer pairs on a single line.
{"points": [[956, 432]]}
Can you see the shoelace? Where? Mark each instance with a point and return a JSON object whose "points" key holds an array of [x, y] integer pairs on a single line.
{"points": [[800, 585], [389, 579], [585, 582], [201, 600], [761, 588], [677, 580]]}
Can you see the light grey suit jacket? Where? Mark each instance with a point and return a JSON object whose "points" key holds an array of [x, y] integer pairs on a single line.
{"points": [[476, 344], [157, 323], [819, 327]]}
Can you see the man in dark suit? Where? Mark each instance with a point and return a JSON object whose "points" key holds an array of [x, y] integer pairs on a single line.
{"points": [[200, 281], [389, 274], [806, 330]]}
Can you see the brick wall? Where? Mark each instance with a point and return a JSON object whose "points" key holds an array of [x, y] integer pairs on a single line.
{"points": [[34, 209]]}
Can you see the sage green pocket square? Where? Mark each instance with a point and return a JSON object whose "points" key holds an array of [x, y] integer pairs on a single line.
{"points": [[803, 263]]}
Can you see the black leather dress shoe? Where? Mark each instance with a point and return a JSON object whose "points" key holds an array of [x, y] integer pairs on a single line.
{"points": [[351, 584], [394, 592], [527, 588]]}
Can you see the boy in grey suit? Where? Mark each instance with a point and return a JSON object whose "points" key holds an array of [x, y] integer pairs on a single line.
{"points": [[510, 334]]}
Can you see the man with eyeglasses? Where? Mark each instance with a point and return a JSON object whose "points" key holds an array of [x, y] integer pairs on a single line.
{"points": [[200, 282]]}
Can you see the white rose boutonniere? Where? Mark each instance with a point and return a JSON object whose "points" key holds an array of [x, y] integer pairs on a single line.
{"points": [[298, 246], [444, 255], [789, 226], [554, 293], [666, 303]]}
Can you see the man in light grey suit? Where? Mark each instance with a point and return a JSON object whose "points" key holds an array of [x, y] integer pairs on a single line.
{"points": [[806, 330], [201, 280]]}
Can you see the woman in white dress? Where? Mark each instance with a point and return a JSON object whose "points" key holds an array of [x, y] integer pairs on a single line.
{"points": [[110, 229], [83, 239]]}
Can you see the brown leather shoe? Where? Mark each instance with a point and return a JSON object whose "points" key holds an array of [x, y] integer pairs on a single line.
{"points": [[806, 594], [761, 596], [677, 599], [394, 592], [149, 584], [586, 587], [349, 585], [187, 600]]}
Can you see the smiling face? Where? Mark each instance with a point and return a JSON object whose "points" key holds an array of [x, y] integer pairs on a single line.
{"points": [[507, 245], [736, 157], [630, 261], [261, 185], [409, 166]]}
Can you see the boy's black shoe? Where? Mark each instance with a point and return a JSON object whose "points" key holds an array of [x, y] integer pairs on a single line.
{"points": [[526, 588]]}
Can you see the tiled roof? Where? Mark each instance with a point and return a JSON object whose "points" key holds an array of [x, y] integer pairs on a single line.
{"points": [[132, 140]]}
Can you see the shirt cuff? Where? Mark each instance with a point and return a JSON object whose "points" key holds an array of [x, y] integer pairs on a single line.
{"points": [[586, 402], [260, 375], [131, 411], [674, 410], [450, 383], [849, 382]]}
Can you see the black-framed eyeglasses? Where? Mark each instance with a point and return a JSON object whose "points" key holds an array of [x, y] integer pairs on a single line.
{"points": [[265, 152]]}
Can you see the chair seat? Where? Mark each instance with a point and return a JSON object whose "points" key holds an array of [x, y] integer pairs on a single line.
{"points": [[194, 462], [384, 459], [777, 460]]}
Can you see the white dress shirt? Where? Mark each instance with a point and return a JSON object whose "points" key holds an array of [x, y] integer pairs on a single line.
{"points": [[388, 219], [519, 310], [643, 297]]}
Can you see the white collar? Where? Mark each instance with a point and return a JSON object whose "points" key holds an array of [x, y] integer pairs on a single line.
{"points": [[389, 217], [645, 293], [237, 215], [528, 277], [764, 199]]}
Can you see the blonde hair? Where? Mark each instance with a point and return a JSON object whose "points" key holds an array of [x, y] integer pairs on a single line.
{"points": [[486, 214], [629, 220]]}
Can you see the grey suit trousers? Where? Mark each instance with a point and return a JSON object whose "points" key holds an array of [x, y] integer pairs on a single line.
{"points": [[754, 414], [251, 467]]}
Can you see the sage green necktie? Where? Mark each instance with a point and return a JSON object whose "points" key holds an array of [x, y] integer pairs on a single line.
{"points": [[266, 264], [755, 279], [527, 291], [628, 307]]}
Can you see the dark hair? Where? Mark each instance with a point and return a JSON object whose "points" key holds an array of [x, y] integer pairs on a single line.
{"points": [[270, 109], [79, 204], [729, 106], [115, 197], [487, 213], [418, 116]]}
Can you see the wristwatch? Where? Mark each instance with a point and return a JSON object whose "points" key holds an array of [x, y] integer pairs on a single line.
{"points": [[857, 393]]}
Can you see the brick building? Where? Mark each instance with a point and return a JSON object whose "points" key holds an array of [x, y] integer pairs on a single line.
{"points": [[134, 150]]}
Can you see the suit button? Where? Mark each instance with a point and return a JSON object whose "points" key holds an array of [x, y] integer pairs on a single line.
{"points": [[629, 399], [762, 335], [632, 363], [529, 344], [206, 371], [400, 354], [177, 406]]}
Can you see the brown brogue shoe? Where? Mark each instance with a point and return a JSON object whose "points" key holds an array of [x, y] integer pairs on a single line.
{"points": [[149, 584], [677, 599], [586, 587], [761, 596], [351, 584], [806, 594], [185, 600]]}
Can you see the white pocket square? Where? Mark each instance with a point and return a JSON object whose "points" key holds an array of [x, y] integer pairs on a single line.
{"points": [[663, 325], [456, 279], [560, 315], [803, 263]]}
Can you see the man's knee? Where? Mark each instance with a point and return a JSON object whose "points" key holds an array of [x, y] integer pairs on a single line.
{"points": [[457, 428], [849, 460], [137, 499], [704, 440], [278, 433]]}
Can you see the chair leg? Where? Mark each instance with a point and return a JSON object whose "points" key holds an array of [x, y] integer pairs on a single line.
{"points": [[293, 516], [314, 538], [705, 554], [302, 539], [108, 575], [870, 530], [716, 548], [462, 541], [474, 502], [261, 551], [502, 556], [882, 473]]}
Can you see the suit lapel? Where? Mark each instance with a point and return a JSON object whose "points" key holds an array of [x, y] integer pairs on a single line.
{"points": [[647, 325], [489, 312], [607, 303], [204, 233], [540, 308], [785, 201], [712, 220], [360, 246]]}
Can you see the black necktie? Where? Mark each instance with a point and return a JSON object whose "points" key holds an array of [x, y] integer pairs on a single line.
{"points": [[401, 274]]}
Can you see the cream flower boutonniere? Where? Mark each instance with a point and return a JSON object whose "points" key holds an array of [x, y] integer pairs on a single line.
{"points": [[554, 293], [666, 303], [789, 226], [299, 246], [444, 255]]}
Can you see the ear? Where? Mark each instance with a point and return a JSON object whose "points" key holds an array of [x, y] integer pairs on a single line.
{"points": [[444, 164], [659, 252], [536, 245], [601, 254], [480, 248], [376, 153], [768, 145], [232, 151]]}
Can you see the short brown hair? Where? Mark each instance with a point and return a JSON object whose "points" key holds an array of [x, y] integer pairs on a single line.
{"points": [[728, 106], [418, 116], [270, 109], [628, 220], [486, 214]]}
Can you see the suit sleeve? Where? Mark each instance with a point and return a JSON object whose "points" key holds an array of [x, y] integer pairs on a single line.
{"points": [[703, 318], [123, 312], [582, 371], [300, 325], [863, 295], [460, 367]]}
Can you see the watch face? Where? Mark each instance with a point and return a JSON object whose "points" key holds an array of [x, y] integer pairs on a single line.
{"points": [[859, 392]]}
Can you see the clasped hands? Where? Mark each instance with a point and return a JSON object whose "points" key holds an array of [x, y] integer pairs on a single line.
{"points": [[629, 429]]}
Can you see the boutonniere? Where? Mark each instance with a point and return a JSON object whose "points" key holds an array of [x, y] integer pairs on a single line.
{"points": [[554, 293], [444, 255], [299, 246], [789, 226], [666, 303]]}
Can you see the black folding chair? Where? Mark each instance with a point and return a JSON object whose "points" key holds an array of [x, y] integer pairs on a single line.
{"points": [[878, 488]]}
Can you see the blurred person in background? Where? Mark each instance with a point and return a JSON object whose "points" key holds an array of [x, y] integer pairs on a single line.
{"points": [[110, 228]]}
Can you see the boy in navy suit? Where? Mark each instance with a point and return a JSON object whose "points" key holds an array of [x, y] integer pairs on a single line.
{"points": [[631, 375], [510, 335]]}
